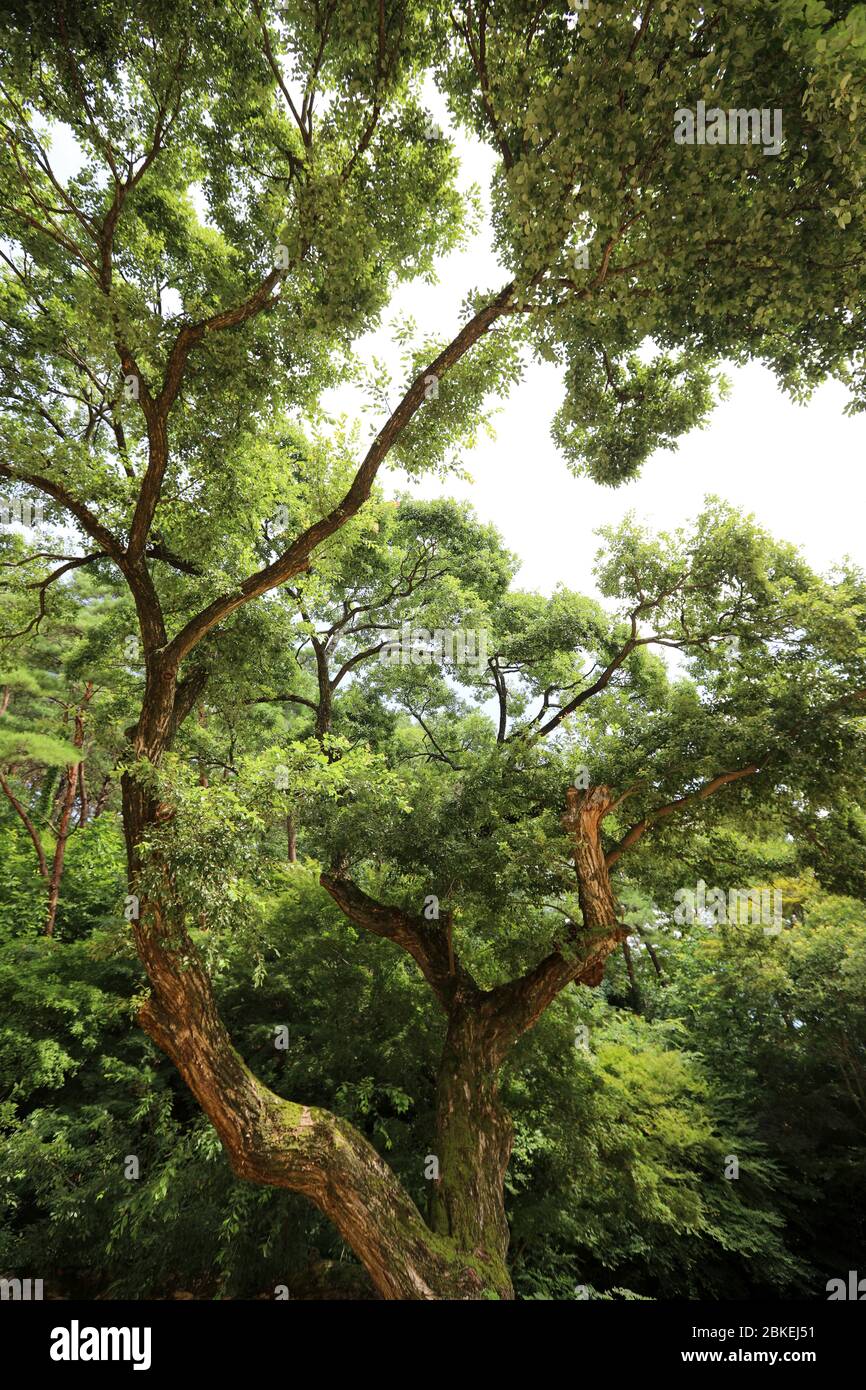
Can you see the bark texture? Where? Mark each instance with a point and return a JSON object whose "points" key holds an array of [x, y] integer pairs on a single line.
{"points": [[473, 1143], [267, 1139], [462, 1252]]}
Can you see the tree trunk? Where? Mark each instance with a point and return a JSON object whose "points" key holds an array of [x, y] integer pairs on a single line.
{"points": [[283, 1144], [60, 850], [473, 1146], [598, 906], [202, 766], [267, 1139], [72, 775], [83, 800], [323, 677], [474, 1135], [634, 991]]}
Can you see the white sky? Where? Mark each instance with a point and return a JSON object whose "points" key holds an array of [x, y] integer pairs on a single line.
{"points": [[798, 469]]}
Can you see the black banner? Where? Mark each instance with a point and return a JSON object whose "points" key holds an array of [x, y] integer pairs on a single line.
{"points": [[86, 1340]]}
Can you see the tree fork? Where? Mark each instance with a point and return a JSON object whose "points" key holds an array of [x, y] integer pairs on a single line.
{"points": [[280, 1143]]}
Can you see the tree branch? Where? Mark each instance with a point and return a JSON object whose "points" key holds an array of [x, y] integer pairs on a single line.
{"points": [[640, 827], [296, 557], [86, 519], [425, 942], [28, 826]]}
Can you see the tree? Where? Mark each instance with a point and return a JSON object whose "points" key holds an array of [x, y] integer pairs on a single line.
{"points": [[45, 710], [782, 1030], [163, 371]]}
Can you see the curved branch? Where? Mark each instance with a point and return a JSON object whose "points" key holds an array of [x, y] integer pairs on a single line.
{"points": [[296, 558], [188, 692], [427, 944], [43, 584], [86, 519], [156, 409], [513, 1008], [640, 827], [355, 661], [28, 826], [161, 552], [284, 699]]}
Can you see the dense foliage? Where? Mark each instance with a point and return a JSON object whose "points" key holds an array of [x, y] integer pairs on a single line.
{"points": [[629, 1100], [354, 901]]}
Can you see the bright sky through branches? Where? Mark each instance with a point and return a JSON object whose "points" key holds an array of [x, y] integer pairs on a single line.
{"points": [[800, 469]]}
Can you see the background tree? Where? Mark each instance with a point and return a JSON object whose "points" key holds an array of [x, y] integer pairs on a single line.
{"points": [[47, 736]]}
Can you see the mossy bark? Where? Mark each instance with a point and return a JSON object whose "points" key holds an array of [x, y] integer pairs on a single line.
{"points": [[473, 1146], [461, 1253], [277, 1142]]}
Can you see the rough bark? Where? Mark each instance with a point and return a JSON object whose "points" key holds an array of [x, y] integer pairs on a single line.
{"points": [[514, 1007], [283, 1144], [473, 1145], [73, 772], [583, 818], [267, 1139]]}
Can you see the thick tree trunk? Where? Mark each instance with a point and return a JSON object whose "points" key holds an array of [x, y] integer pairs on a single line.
{"points": [[284, 1144], [473, 1146], [474, 1134], [267, 1139]]}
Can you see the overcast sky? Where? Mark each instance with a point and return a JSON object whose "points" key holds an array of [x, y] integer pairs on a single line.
{"points": [[798, 469]]}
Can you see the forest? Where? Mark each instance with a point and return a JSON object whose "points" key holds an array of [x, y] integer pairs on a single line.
{"points": [[373, 926]]}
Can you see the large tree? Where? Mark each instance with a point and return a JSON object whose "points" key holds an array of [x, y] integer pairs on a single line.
{"points": [[252, 182]]}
